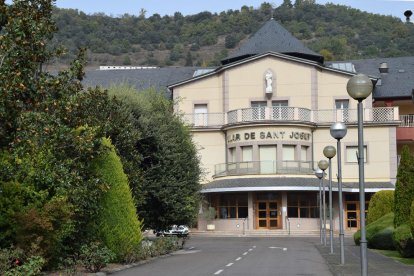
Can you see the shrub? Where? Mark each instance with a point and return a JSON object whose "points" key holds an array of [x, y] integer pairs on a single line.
{"points": [[412, 218], [118, 224], [95, 256], [379, 233], [404, 188], [152, 248], [31, 267], [403, 241], [381, 203], [8, 257]]}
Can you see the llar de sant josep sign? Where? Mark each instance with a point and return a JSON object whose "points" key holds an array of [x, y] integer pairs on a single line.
{"points": [[264, 135]]}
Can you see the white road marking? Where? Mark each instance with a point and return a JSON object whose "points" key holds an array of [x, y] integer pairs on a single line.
{"points": [[250, 249], [275, 247], [229, 264], [245, 253], [238, 259], [192, 247], [254, 246], [218, 272]]}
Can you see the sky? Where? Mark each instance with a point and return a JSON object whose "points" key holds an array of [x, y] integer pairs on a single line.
{"points": [[186, 7]]}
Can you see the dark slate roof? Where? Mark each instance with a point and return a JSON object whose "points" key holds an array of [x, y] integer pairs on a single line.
{"points": [[141, 79], [272, 37], [286, 182], [398, 83]]}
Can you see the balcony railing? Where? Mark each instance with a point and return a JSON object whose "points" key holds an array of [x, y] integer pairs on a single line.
{"points": [[265, 167], [407, 120], [295, 114]]}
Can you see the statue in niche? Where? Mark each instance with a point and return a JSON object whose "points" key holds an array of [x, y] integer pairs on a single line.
{"points": [[269, 82]]}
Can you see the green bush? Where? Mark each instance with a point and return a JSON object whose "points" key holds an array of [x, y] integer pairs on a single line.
{"points": [[95, 256], [404, 241], [404, 188], [379, 233], [381, 203], [8, 256], [31, 267], [152, 248], [412, 218], [118, 224]]}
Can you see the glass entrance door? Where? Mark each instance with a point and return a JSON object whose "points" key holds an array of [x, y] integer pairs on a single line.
{"points": [[268, 215], [353, 214]]}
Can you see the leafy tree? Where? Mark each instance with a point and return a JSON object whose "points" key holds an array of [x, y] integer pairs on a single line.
{"points": [[45, 150], [168, 190], [404, 189]]}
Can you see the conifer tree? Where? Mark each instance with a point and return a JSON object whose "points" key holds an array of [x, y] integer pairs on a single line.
{"points": [[404, 190]]}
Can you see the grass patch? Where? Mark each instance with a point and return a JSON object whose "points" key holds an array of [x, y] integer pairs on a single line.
{"points": [[396, 256]]}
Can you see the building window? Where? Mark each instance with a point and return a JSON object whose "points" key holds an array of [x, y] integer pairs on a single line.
{"points": [[200, 115], [280, 111], [258, 110], [288, 153], [247, 157], [302, 205], [342, 110], [351, 154], [304, 153], [231, 206], [232, 155]]}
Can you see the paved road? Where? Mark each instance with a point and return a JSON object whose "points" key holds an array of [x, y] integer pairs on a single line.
{"points": [[241, 256]]}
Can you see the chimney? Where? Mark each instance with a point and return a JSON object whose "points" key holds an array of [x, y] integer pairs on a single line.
{"points": [[383, 68]]}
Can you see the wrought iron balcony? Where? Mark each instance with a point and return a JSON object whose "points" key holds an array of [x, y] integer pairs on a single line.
{"points": [[264, 167], [292, 114], [407, 120]]}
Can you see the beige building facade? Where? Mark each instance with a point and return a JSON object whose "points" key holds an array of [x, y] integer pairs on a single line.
{"points": [[260, 122]]}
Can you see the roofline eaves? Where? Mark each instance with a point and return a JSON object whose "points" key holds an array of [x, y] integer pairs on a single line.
{"points": [[249, 59]]}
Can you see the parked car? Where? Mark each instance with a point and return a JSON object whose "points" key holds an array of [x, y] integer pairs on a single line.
{"points": [[173, 230]]}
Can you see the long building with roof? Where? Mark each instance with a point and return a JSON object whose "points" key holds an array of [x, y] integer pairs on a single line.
{"points": [[261, 120]]}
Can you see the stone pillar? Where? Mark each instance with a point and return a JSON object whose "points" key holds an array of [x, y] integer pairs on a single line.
{"points": [[250, 211], [284, 210]]}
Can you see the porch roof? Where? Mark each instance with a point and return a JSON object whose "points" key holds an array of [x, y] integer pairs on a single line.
{"points": [[286, 184]]}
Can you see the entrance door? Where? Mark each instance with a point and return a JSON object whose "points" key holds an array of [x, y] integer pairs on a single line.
{"points": [[268, 215], [353, 214]]}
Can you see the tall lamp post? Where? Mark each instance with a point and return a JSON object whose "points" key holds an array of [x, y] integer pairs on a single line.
{"points": [[330, 152], [319, 174], [323, 165], [338, 131], [359, 87]]}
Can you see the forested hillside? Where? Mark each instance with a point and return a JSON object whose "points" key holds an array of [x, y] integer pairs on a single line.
{"points": [[335, 31]]}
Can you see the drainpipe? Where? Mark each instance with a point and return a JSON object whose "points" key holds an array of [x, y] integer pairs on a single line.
{"points": [[312, 151]]}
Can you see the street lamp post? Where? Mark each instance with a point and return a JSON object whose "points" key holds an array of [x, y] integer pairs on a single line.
{"points": [[359, 87], [338, 131], [330, 152], [319, 174], [323, 165]]}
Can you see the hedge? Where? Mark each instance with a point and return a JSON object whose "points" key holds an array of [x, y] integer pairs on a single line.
{"points": [[404, 241], [381, 203], [379, 233], [412, 218], [404, 188], [118, 225]]}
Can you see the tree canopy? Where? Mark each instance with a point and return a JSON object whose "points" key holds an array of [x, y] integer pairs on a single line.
{"points": [[336, 31]]}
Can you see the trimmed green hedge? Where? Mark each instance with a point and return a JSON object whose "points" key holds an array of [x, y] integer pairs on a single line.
{"points": [[118, 225], [379, 233], [404, 241], [404, 188], [381, 203], [412, 218]]}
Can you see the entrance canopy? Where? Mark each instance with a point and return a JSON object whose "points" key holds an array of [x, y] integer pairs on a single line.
{"points": [[286, 184]]}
